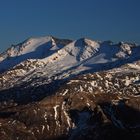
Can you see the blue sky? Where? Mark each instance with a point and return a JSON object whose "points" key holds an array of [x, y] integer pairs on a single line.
{"points": [[116, 20]]}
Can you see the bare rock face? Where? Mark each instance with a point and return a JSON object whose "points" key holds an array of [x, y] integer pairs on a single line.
{"points": [[71, 90]]}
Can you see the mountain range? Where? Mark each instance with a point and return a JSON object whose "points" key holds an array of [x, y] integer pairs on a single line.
{"points": [[54, 88]]}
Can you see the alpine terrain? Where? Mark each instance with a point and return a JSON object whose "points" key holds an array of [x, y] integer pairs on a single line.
{"points": [[54, 89]]}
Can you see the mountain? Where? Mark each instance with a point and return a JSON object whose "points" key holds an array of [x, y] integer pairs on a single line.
{"points": [[54, 88], [49, 59], [33, 48]]}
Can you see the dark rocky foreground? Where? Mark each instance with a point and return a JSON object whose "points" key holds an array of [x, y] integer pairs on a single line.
{"points": [[100, 106]]}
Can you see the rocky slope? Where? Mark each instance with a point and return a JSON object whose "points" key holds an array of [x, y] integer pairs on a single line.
{"points": [[82, 90]]}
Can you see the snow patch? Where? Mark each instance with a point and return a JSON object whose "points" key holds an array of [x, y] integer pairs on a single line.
{"points": [[66, 114], [94, 84], [55, 113], [66, 91]]}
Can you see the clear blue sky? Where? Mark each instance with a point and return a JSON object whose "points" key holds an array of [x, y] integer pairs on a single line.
{"points": [[117, 20]]}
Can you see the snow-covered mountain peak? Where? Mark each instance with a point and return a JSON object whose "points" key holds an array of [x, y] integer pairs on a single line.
{"points": [[31, 48], [34, 44], [81, 49], [61, 54], [85, 42]]}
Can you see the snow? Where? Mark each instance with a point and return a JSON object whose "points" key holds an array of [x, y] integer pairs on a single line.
{"points": [[134, 66], [66, 91], [127, 82], [35, 111], [90, 89], [94, 83], [55, 114], [43, 127], [34, 48], [106, 83], [55, 110], [66, 115], [48, 127], [121, 54], [45, 116], [38, 131], [81, 88], [44, 58], [88, 104], [73, 81]]}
